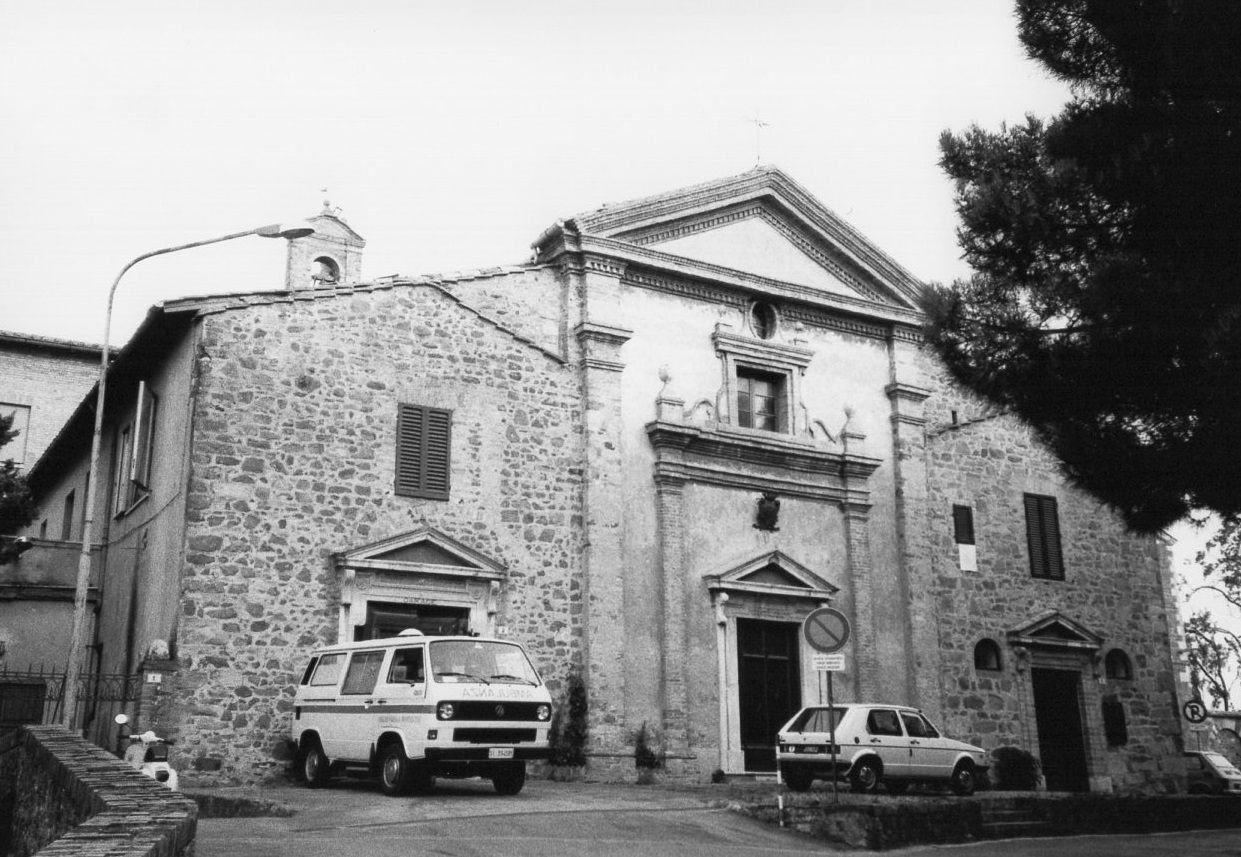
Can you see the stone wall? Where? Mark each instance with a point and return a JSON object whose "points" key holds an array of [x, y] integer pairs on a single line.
{"points": [[61, 795], [293, 462], [1115, 585]]}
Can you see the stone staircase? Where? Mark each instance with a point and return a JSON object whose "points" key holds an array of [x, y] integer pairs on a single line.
{"points": [[1012, 820]]}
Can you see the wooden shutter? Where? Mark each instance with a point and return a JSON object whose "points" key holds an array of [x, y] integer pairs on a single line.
{"points": [[1043, 537], [963, 525], [423, 451]]}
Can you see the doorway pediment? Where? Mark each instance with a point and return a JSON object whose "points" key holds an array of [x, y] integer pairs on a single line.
{"points": [[773, 573], [421, 551], [1056, 630]]}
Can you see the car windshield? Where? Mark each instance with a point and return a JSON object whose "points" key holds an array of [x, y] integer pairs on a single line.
{"points": [[481, 661], [818, 720]]}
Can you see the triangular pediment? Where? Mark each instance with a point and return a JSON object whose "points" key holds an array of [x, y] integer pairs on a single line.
{"points": [[763, 224], [424, 549], [773, 573], [1056, 630]]}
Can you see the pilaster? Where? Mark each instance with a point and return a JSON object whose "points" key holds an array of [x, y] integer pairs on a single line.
{"points": [[917, 581], [603, 644]]}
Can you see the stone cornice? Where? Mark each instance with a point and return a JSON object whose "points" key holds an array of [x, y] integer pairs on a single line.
{"points": [[765, 351], [601, 344], [788, 466]]}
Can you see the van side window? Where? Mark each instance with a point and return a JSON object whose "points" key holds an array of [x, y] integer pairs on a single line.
{"points": [[363, 672], [407, 667], [328, 671], [310, 669]]}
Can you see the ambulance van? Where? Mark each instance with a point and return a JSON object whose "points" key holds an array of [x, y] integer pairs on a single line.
{"points": [[411, 708]]}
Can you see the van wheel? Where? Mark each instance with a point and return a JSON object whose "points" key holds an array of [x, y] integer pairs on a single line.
{"points": [[394, 770], [798, 781], [866, 778], [315, 768], [510, 780], [962, 781]]}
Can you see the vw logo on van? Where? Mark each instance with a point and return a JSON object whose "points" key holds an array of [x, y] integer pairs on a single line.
{"points": [[499, 711]]}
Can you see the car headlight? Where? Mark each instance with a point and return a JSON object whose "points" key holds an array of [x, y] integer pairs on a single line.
{"points": [[445, 711], [543, 712]]}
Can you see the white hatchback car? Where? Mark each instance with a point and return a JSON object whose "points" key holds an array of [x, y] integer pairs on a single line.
{"points": [[894, 744]]}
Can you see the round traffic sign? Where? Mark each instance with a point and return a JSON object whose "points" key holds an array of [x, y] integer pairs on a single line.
{"points": [[826, 630], [1194, 710]]}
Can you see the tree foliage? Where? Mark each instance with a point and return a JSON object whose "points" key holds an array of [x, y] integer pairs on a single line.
{"points": [[1213, 643], [17, 507], [1104, 306]]}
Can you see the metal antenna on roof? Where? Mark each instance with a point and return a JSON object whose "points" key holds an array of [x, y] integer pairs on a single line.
{"points": [[759, 125]]}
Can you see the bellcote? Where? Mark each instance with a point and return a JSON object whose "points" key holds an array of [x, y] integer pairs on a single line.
{"points": [[330, 257]]}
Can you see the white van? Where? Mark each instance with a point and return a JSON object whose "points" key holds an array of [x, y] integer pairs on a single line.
{"points": [[411, 708]]}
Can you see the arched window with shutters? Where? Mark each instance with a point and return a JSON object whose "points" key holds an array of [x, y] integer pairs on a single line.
{"points": [[987, 656]]}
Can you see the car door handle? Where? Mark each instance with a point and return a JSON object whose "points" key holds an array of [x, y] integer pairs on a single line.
{"points": [[875, 741], [916, 743]]}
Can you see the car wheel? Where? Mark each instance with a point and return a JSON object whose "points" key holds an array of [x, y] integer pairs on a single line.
{"points": [[962, 780], [897, 787], [865, 778], [394, 770], [798, 781], [510, 780], [315, 768]]}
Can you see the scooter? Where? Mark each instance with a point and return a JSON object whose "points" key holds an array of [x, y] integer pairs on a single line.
{"points": [[148, 753]]}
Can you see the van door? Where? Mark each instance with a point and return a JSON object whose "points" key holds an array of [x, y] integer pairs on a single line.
{"points": [[357, 703], [402, 698]]}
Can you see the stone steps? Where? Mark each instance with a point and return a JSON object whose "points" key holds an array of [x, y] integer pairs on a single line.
{"points": [[1012, 824]]}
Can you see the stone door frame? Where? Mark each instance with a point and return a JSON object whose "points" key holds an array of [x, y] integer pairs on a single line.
{"points": [[422, 566]]}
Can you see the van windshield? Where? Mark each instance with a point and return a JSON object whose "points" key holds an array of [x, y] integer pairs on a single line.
{"points": [[481, 661]]}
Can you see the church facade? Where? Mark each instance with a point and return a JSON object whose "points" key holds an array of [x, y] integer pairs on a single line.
{"points": [[647, 455]]}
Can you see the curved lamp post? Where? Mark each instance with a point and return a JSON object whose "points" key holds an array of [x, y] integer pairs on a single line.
{"points": [[74, 668]]}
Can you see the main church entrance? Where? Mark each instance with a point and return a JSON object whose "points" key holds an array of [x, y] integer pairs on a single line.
{"points": [[769, 678]]}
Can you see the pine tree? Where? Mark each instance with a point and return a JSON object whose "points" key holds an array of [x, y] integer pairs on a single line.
{"points": [[1105, 304]]}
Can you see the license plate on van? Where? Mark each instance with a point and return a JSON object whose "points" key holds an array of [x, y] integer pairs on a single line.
{"points": [[500, 753]]}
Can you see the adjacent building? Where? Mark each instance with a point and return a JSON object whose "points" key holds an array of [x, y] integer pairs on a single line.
{"points": [[647, 454]]}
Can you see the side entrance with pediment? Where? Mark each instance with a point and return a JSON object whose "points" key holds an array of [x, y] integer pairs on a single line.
{"points": [[420, 579], [1058, 661]]}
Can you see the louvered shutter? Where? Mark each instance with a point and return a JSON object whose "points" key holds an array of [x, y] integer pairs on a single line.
{"points": [[423, 452], [963, 525], [1043, 537]]}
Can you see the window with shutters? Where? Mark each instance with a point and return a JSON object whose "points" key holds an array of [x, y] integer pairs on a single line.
{"points": [[963, 535], [762, 379], [423, 451], [134, 454], [1043, 537]]}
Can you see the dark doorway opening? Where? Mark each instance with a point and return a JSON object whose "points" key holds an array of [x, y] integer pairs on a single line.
{"points": [[389, 620], [1061, 741], [769, 677]]}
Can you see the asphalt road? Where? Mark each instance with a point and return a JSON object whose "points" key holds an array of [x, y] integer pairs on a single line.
{"points": [[466, 818], [549, 819]]}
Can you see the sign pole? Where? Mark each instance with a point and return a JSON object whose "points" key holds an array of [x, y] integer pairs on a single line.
{"points": [[831, 736]]}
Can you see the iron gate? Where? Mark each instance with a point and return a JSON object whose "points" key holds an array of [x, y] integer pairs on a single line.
{"points": [[38, 697]]}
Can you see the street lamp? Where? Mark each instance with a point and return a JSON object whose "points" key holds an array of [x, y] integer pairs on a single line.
{"points": [[73, 670]]}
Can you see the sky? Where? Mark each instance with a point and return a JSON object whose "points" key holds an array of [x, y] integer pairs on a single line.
{"points": [[450, 135]]}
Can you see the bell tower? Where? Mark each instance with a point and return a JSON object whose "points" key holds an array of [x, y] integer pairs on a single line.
{"points": [[331, 257]]}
